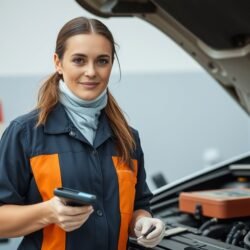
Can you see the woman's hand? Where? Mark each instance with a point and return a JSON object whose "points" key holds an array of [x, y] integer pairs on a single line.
{"points": [[67, 217], [152, 239]]}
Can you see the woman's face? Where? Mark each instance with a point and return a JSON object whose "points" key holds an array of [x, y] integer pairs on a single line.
{"points": [[86, 65]]}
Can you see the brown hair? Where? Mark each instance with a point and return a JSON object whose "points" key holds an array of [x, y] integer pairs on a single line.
{"points": [[48, 95]]}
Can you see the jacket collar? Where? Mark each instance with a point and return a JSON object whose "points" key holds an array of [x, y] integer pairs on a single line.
{"points": [[103, 131], [59, 123]]}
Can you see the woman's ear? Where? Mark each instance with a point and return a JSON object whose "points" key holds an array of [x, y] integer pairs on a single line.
{"points": [[57, 64]]}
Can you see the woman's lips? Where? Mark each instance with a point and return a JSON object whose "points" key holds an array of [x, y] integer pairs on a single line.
{"points": [[89, 85]]}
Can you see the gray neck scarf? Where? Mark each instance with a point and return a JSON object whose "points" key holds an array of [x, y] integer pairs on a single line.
{"points": [[84, 114]]}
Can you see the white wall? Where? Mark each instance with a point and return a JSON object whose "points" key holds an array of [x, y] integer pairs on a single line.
{"points": [[29, 29]]}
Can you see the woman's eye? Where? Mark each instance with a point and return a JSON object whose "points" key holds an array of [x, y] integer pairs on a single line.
{"points": [[103, 61], [78, 60]]}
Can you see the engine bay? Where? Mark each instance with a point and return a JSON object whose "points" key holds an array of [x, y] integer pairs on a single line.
{"points": [[216, 210]]}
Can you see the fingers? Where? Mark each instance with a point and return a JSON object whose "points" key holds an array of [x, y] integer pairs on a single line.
{"points": [[73, 211], [145, 223], [72, 218], [158, 230], [69, 218], [143, 226], [69, 223], [154, 237], [153, 241], [62, 208]]}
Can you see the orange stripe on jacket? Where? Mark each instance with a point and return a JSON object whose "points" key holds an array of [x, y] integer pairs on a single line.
{"points": [[46, 171], [127, 180]]}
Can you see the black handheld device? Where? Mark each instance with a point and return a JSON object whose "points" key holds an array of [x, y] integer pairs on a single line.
{"points": [[74, 197]]}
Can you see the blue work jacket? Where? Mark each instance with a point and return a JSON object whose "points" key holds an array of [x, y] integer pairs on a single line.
{"points": [[36, 160]]}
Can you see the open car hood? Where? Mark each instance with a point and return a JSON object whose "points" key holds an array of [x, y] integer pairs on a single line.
{"points": [[215, 33]]}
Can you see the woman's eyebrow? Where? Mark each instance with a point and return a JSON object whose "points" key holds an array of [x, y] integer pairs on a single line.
{"points": [[104, 55], [83, 55], [79, 54]]}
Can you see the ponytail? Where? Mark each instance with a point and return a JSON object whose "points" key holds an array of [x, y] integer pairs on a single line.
{"points": [[48, 97], [125, 141]]}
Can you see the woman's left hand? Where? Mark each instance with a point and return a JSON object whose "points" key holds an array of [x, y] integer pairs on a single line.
{"points": [[152, 239]]}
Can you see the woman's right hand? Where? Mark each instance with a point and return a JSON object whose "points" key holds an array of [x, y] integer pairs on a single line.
{"points": [[67, 217]]}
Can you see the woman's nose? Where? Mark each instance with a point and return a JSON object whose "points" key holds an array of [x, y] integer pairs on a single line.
{"points": [[90, 70]]}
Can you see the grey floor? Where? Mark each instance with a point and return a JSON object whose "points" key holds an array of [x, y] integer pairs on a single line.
{"points": [[12, 244]]}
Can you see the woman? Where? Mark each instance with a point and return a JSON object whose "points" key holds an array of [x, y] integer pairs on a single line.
{"points": [[76, 138]]}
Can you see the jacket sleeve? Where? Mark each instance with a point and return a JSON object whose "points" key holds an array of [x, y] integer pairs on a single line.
{"points": [[14, 165], [143, 194]]}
